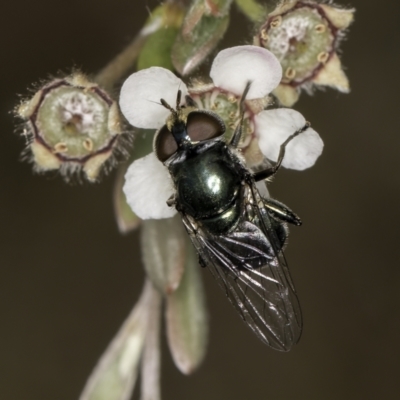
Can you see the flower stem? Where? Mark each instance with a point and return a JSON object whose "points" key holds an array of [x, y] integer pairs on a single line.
{"points": [[118, 67], [169, 14], [123, 63]]}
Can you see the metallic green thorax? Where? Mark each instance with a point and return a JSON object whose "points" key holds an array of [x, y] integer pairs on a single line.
{"points": [[208, 184]]}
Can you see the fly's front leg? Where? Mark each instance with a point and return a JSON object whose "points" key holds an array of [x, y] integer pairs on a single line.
{"points": [[267, 173], [171, 201]]}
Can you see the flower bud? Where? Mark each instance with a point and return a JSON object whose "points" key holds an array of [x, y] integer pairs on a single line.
{"points": [[305, 36], [203, 27], [164, 22], [73, 125]]}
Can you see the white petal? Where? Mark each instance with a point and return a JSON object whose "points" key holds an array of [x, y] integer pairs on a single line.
{"points": [[141, 93], [234, 67], [273, 127], [147, 188]]}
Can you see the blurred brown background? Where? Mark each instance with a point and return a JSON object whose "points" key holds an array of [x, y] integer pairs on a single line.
{"points": [[68, 279]]}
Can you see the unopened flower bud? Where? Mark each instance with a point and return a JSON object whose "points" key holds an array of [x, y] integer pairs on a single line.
{"points": [[304, 36], [163, 26], [203, 27], [73, 125]]}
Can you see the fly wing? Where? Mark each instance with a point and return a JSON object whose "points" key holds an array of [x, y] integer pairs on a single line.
{"points": [[251, 269]]}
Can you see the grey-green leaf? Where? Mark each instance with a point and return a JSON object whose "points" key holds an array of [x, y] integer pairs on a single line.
{"points": [[115, 375], [186, 317], [151, 358], [252, 9], [163, 250]]}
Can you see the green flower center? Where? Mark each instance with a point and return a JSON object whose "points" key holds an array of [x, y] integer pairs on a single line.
{"points": [[73, 121], [301, 39]]}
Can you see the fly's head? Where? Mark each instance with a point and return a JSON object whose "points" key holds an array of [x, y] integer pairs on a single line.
{"points": [[177, 120], [185, 128]]}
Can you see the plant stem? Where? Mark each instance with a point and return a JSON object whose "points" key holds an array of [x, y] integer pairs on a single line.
{"points": [[123, 63]]}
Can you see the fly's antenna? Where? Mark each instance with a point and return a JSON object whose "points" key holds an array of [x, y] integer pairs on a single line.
{"points": [[178, 104], [178, 99], [167, 106], [237, 135], [243, 98]]}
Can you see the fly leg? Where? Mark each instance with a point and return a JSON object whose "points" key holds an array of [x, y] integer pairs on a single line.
{"points": [[172, 201], [267, 173], [237, 135], [279, 211]]}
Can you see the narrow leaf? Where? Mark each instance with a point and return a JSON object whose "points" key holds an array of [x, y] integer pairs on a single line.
{"points": [[186, 317], [115, 375], [163, 250], [151, 359], [252, 9]]}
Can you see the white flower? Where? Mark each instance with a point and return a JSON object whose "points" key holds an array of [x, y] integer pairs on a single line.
{"points": [[148, 185]]}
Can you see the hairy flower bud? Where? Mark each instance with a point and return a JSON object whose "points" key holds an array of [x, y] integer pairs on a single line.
{"points": [[304, 36], [73, 125]]}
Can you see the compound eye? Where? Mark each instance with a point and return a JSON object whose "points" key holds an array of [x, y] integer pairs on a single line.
{"points": [[204, 125], [164, 144]]}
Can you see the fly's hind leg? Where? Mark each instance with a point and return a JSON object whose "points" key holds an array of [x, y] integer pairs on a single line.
{"points": [[281, 231], [279, 211], [280, 215]]}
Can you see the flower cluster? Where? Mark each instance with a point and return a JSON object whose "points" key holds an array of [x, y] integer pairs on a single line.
{"points": [[148, 185]]}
